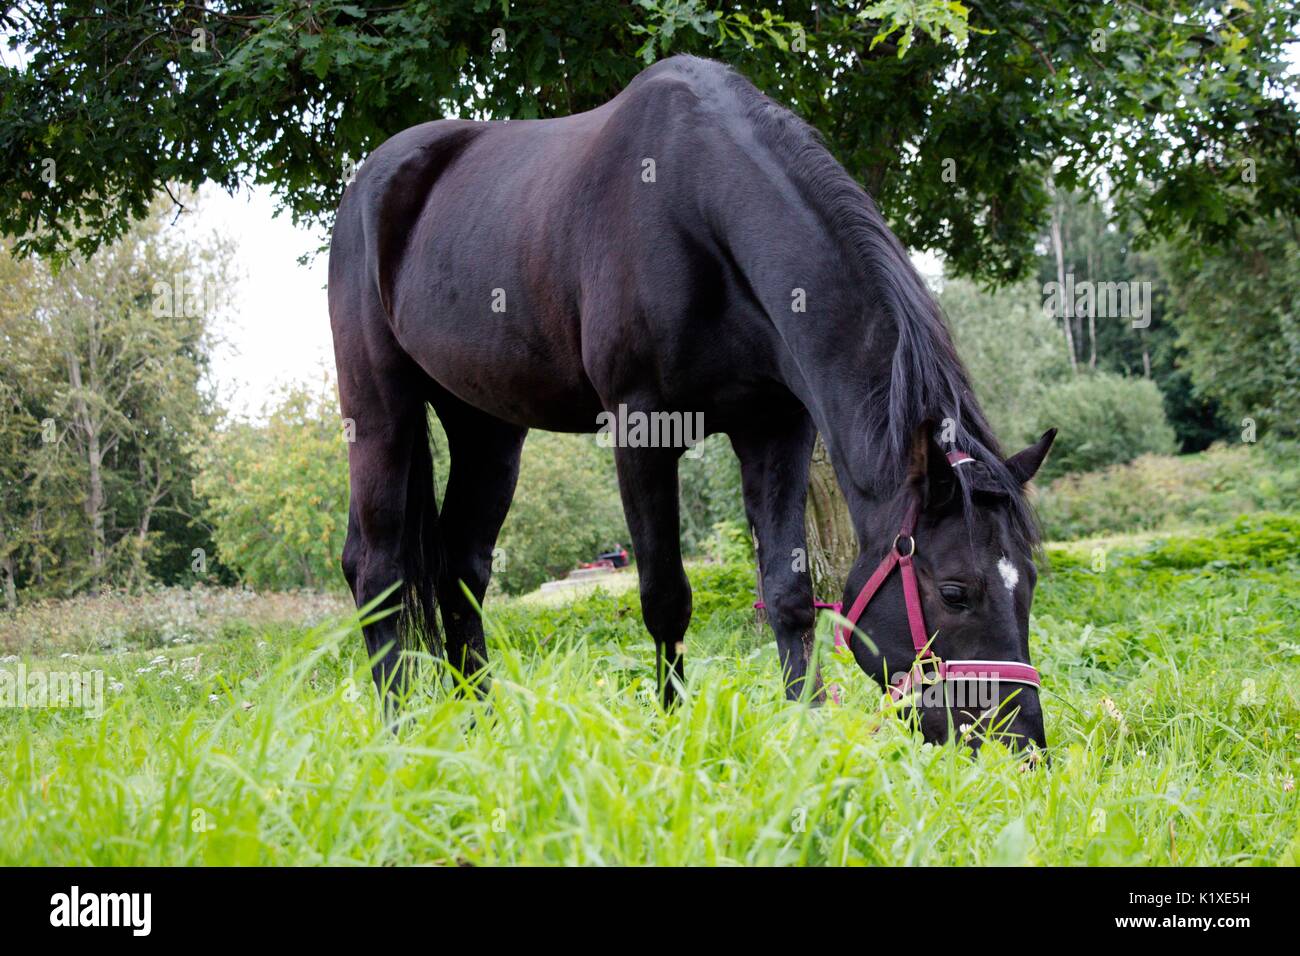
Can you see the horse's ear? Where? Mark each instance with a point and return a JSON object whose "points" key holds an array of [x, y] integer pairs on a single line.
{"points": [[929, 471], [1023, 465]]}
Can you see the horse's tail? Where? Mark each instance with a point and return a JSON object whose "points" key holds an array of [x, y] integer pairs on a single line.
{"points": [[375, 219], [421, 553]]}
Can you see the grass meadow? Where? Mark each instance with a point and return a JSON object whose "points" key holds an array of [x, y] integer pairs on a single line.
{"points": [[1173, 717]]}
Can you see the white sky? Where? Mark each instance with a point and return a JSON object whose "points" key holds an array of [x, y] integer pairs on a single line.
{"points": [[275, 328]]}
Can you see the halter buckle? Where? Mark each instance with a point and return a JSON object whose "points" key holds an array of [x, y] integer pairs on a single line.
{"points": [[911, 540], [934, 676]]}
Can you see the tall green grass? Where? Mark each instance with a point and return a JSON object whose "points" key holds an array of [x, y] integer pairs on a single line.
{"points": [[1172, 706]]}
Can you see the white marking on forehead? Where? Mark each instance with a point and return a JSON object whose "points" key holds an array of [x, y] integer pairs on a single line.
{"points": [[1010, 576]]}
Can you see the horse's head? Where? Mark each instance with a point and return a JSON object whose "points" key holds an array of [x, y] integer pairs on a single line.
{"points": [[968, 566]]}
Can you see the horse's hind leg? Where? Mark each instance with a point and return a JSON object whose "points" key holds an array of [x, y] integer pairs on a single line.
{"points": [[387, 463], [392, 512], [484, 467]]}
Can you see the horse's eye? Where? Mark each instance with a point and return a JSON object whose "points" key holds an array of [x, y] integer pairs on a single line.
{"points": [[954, 595]]}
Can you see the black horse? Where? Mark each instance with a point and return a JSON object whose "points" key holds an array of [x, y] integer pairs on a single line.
{"points": [[689, 247]]}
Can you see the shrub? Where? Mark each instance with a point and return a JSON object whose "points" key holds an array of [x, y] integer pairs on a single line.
{"points": [[1104, 419], [722, 588], [1260, 542], [278, 493], [1159, 492], [1000, 330], [1239, 323], [1250, 541], [566, 510], [731, 543], [710, 493]]}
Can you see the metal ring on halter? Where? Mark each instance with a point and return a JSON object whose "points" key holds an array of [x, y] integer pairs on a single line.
{"points": [[935, 675], [911, 539]]}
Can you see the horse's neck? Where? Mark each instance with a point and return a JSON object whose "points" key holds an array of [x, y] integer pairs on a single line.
{"points": [[834, 343]]}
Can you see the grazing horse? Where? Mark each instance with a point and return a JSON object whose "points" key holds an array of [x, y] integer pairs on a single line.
{"points": [[689, 247]]}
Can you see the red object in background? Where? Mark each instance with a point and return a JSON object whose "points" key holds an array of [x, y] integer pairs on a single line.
{"points": [[612, 560], [618, 557]]}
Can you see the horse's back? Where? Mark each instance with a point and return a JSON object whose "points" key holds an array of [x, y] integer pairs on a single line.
{"points": [[448, 180], [514, 259]]}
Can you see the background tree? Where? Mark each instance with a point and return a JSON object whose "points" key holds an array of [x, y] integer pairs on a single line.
{"points": [[18, 421], [1012, 350], [1096, 247], [950, 114], [1239, 324], [710, 493], [277, 492], [103, 382]]}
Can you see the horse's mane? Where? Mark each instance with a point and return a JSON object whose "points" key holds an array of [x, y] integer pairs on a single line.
{"points": [[928, 382]]}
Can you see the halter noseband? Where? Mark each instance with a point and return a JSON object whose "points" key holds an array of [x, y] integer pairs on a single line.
{"points": [[928, 668]]}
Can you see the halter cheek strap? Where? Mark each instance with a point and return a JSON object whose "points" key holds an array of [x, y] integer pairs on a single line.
{"points": [[928, 668]]}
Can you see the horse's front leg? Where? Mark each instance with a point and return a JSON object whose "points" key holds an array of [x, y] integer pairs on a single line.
{"points": [[647, 481], [774, 476]]}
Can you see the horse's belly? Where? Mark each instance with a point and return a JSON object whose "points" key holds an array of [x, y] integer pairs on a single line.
{"points": [[503, 368]]}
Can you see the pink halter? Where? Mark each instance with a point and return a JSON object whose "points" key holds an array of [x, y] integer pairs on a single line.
{"points": [[928, 668]]}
